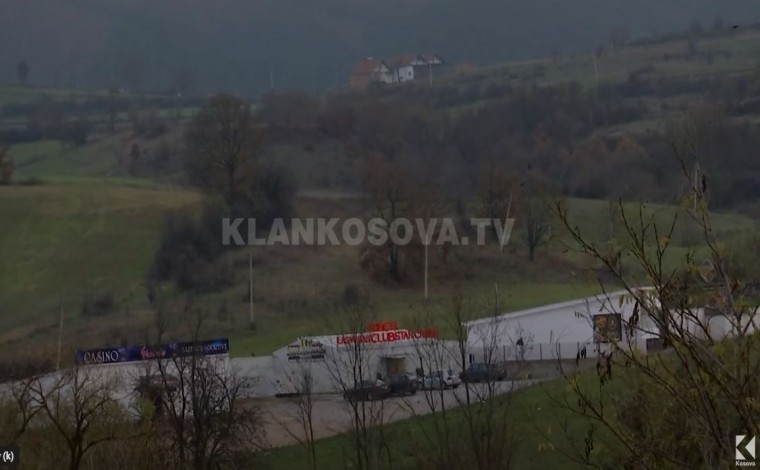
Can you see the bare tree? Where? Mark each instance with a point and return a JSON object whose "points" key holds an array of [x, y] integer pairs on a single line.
{"points": [[350, 365], [222, 142], [436, 356], [299, 387], [80, 407], [492, 440], [483, 437], [208, 423], [76, 420], [536, 214], [497, 192], [390, 190], [682, 403], [16, 412]]}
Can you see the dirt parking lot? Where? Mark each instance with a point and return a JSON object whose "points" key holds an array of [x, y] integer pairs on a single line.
{"points": [[332, 414]]}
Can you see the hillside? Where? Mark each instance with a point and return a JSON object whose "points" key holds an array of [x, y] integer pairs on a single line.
{"points": [[101, 237], [234, 45], [621, 162], [68, 241], [93, 238]]}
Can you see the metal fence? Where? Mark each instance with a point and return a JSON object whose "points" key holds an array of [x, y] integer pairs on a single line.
{"points": [[538, 352]]}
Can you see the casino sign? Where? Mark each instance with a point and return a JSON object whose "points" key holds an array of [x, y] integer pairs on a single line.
{"points": [[143, 353]]}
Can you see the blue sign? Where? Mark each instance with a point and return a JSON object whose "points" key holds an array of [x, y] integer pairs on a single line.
{"points": [[145, 353]]}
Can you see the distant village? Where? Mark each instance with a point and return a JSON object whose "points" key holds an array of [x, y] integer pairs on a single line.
{"points": [[401, 69]]}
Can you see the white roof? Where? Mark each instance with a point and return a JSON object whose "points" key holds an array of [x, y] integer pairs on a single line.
{"points": [[571, 304]]}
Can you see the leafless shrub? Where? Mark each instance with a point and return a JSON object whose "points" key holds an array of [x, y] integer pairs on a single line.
{"points": [[679, 407]]}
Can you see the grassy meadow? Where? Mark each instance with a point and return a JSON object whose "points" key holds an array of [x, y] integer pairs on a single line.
{"points": [[98, 236], [732, 52], [61, 241]]}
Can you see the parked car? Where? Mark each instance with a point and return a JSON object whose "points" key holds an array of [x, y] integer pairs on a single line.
{"points": [[402, 385], [479, 372], [441, 380], [452, 379], [367, 390], [433, 382]]}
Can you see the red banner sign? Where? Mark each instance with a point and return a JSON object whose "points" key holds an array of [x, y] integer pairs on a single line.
{"points": [[383, 326], [384, 337]]}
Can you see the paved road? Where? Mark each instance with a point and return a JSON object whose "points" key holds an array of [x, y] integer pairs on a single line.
{"points": [[331, 414]]}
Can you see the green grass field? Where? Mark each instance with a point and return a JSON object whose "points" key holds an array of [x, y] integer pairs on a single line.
{"points": [[60, 241], [50, 160]]}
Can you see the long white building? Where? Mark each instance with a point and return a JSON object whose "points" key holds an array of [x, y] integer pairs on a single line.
{"points": [[559, 330], [563, 329], [336, 362]]}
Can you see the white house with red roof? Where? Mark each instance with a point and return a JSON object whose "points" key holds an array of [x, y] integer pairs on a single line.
{"points": [[368, 71], [398, 69]]}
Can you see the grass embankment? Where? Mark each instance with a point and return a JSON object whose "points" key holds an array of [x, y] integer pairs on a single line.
{"points": [[545, 430]]}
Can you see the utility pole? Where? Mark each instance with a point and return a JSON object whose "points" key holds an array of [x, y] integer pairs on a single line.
{"points": [[696, 184], [271, 79], [430, 71], [509, 209], [60, 337], [496, 297], [426, 269], [250, 288]]}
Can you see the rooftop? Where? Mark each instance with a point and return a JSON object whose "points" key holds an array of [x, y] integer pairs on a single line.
{"points": [[571, 304], [367, 66]]}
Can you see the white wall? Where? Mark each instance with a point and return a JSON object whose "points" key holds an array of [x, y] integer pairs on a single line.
{"points": [[341, 367], [386, 76], [405, 73], [258, 373], [557, 330], [560, 330]]}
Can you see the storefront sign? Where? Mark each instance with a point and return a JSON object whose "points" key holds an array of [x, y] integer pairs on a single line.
{"points": [[385, 337], [306, 350], [102, 356], [144, 353]]}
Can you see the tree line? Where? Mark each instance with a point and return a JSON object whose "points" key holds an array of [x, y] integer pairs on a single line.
{"points": [[559, 131]]}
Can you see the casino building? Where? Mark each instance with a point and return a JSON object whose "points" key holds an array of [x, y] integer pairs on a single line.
{"points": [[132, 368]]}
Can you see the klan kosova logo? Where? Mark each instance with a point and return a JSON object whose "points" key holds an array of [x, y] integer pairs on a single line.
{"points": [[745, 451]]}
